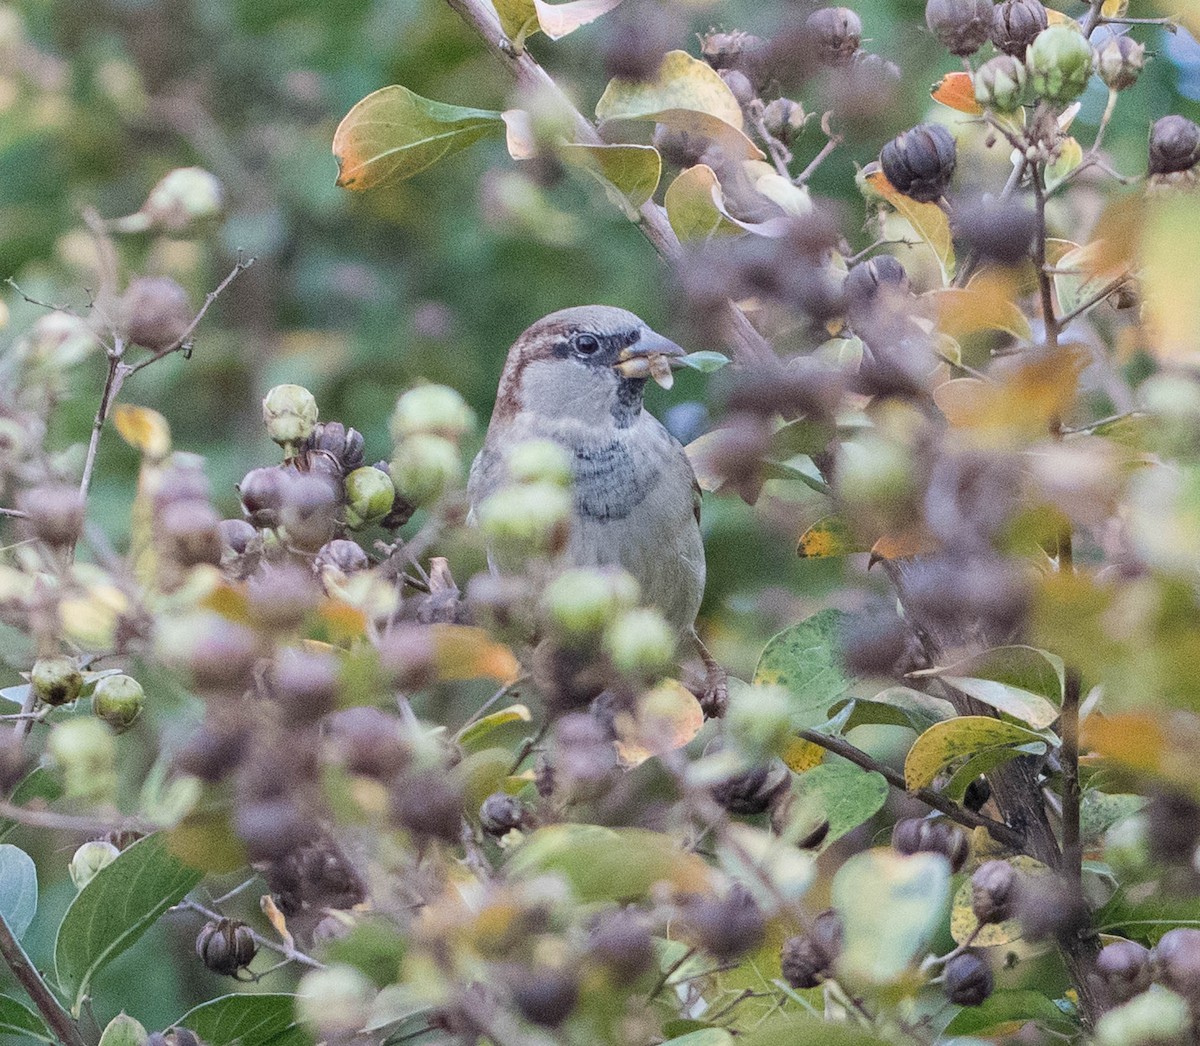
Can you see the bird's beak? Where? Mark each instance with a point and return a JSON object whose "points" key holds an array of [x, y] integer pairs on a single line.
{"points": [[651, 356]]}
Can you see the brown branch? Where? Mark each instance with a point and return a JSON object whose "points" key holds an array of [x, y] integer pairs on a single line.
{"points": [[998, 830], [55, 821], [56, 1017], [652, 219]]}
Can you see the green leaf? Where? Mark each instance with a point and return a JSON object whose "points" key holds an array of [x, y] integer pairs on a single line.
{"points": [[112, 912], [18, 888], [902, 706], [907, 900], [1147, 920], [841, 793], [795, 1030], [1099, 811], [1076, 279], [393, 134], [1070, 156], [247, 1020], [695, 206], [123, 1030], [41, 783], [608, 864], [1005, 1007], [805, 661], [19, 1021], [473, 737], [1020, 681], [961, 738], [633, 170], [703, 1037], [705, 362], [15, 694]]}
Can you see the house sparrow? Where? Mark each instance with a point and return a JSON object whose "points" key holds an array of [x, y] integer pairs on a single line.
{"points": [[577, 377]]}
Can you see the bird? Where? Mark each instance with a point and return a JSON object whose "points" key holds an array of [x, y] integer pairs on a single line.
{"points": [[578, 377]]}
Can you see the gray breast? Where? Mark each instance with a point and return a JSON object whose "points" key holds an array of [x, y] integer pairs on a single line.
{"points": [[609, 483]]}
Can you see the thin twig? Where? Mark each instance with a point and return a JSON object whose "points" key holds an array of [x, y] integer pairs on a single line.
{"points": [[482, 710], [998, 830], [667, 973], [40, 304], [184, 340], [1093, 18], [117, 373], [288, 952], [1095, 299], [55, 821], [833, 142], [652, 219], [56, 1017]]}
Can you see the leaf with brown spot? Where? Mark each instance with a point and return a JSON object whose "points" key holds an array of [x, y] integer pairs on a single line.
{"points": [[681, 83], [957, 91], [394, 134], [944, 744]]}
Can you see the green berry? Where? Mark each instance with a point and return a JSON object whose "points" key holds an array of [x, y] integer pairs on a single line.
{"points": [[89, 859], [539, 461], [290, 414], [1060, 64], [584, 601], [56, 680], [370, 495], [118, 700], [525, 521], [641, 643], [424, 467], [436, 410], [335, 1001]]}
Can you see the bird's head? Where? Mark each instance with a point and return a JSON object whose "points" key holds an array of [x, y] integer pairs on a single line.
{"points": [[588, 363]]}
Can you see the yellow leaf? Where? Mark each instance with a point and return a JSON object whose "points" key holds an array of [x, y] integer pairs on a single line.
{"points": [[681, 83], [276, 918], [343, 621], [828, 536], [143, 429], [952, 740], [985, 305], [518, 18], [1169, 278], [957, 91], [928, 220], [228, 601], [963, 923], [801, 755]]}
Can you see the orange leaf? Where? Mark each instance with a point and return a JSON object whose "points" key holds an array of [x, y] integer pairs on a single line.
{"points": [[464, 652], [143, 429], [668, 717], [957, 91], [928, 220], [984, 305], [901, 546]]}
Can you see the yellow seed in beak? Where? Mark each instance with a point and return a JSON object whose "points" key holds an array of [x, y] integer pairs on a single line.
{"points": [[654, 366], [660, 371]]}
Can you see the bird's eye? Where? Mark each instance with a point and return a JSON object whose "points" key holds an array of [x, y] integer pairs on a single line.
{"points": [[586, 345]]}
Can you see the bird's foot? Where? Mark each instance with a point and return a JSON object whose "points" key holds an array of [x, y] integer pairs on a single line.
{"points": [[714, 698]]}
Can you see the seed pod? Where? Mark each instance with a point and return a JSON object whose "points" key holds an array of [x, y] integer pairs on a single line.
{"points": [[89, 859], [118, 700], [54, 514], [429, 804], [1000, 83], [262, 492], [804, 965], [367, 741], [525, 521], [369, 497], [993, 891], [1060, 64], [306, 684], [226, 946], [727, 927], [184, 195], [580, 603], [621, 942], [835, 32], [290, 414], [1001, 231], [920, 835], [237, 537], [543, 996], [783, 118], [920, 162], [1016, 24], [961, 26], [1124, 969], [56, 680], [424, 467], [865, 279], [1120, 61], [501, 813], [156, 312], [968, 979], [1174, 145], [739, 84], [189, 534], [1172, 819], [332, 439], [751, 793], [539, 461], [1176, 960]]}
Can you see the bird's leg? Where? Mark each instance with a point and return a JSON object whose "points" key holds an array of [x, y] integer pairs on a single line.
{"points": [[715, 698]]}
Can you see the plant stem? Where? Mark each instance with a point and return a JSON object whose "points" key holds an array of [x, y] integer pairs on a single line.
{"points": [[54, 821], [1045, 287], [1069, 757], [652, 219], [56, 1017], [999, 831], [820, 158]]}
